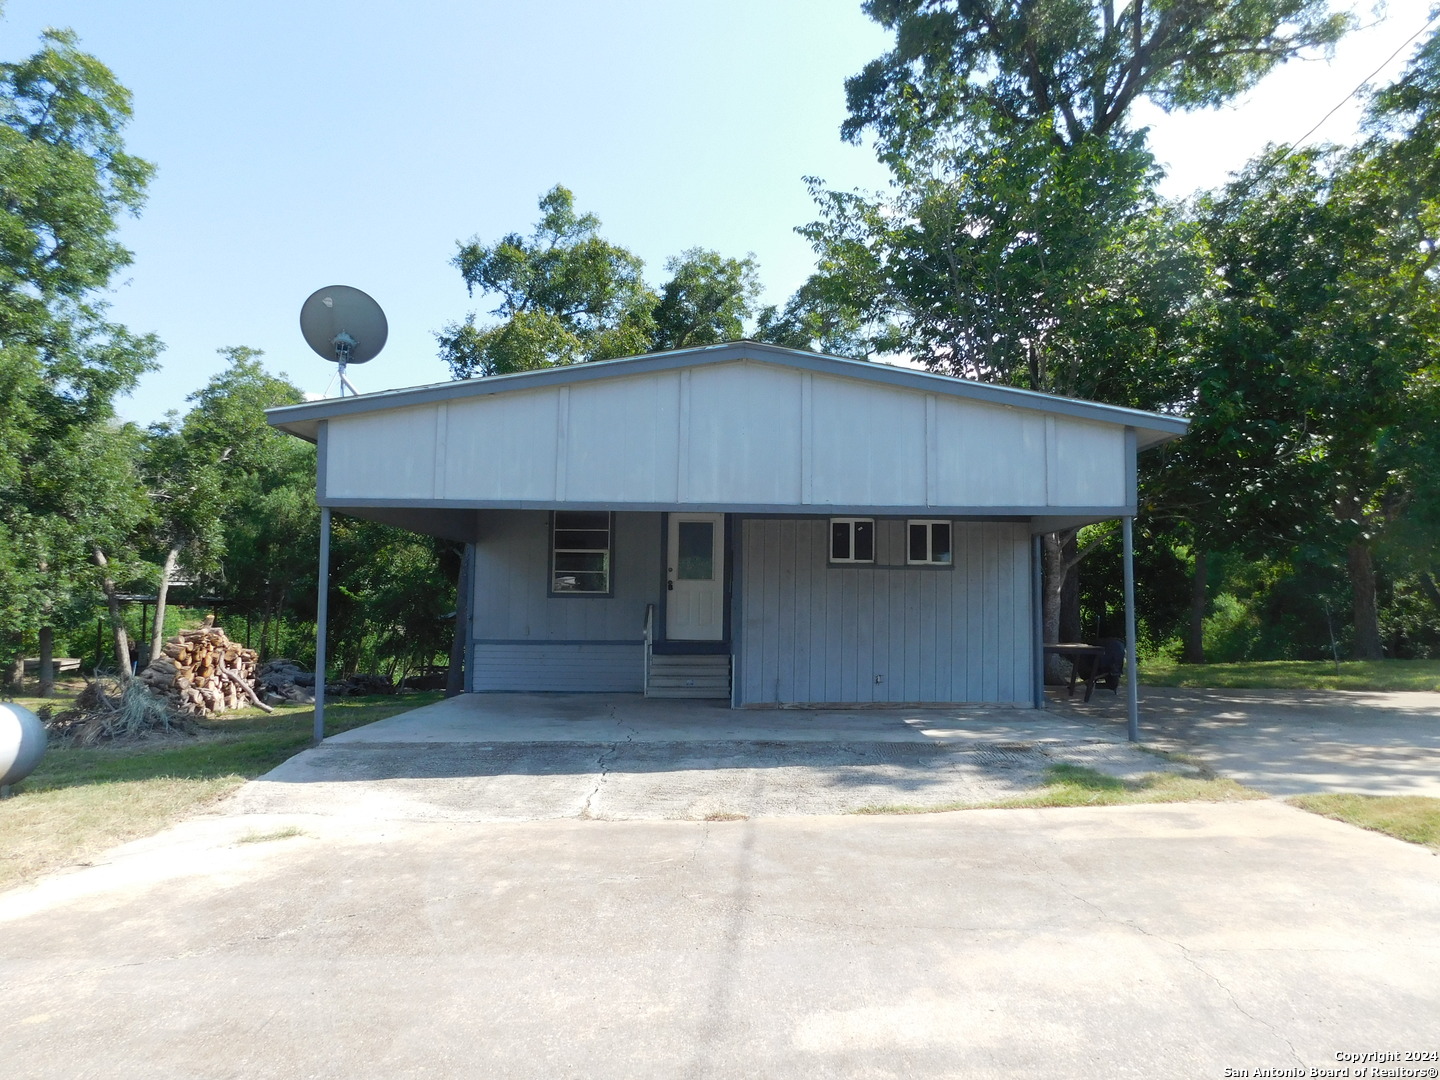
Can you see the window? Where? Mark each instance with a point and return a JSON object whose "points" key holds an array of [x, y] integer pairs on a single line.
{"points": [[852, 540], [580, 553], [928, 543]]}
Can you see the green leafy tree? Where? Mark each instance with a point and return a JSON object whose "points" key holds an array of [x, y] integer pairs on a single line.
{"points": [[65, 180], [265, 553], [566, 295], [1318, 395], [1021, 241], [1072, 68], [707, 300]]}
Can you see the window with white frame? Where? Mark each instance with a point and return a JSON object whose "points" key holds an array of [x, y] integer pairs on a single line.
{"points": [[927, 543], [580, 552], [852, 540]]}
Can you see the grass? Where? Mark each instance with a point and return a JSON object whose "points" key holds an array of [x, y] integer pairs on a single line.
{"points": [[274, 834], [79, 802], [1415, 818], [1296, 675], [1077, 785]]}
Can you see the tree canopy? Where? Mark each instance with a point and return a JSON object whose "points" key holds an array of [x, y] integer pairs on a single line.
{"points": [[1073, 68]]}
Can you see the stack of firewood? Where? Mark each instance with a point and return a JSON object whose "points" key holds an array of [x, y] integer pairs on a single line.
{"points": [[204, 673]]}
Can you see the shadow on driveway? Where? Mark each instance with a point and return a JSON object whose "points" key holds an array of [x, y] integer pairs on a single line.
{"points": [[1287, 742]]}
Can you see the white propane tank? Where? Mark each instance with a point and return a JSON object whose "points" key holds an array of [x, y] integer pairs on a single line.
{"points": [[22, 743]]}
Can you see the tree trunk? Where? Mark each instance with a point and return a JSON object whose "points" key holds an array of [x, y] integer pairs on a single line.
{"points": [[265, 630], [1070, 628], [117, 621], [1057, 671], [1427, 583], [157, 629], [1367, 619], [15, 674], [47, 661], [455, 678], [1195, 640]]}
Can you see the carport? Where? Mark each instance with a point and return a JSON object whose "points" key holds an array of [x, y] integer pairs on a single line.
{"points": [[766, 526]]}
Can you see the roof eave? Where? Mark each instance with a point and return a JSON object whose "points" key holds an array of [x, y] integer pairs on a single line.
{"points": [[1152, 428]]}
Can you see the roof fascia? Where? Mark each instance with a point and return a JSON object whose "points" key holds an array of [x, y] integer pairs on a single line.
{"points": [[1152, 428]]}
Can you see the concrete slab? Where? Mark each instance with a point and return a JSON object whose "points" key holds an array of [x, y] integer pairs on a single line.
{"points": [[1146, 941], [1287, 742], [604, 718], [658, 781], [531, 757]]}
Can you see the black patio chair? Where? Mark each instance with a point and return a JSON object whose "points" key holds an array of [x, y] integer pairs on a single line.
{"points": [[1105, 669]]}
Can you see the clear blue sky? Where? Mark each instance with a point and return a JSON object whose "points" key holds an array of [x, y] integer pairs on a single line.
{"points": [[302, 144]]}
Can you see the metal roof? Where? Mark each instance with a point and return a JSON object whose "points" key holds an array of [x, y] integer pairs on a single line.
{"points": [[1151, 428]]}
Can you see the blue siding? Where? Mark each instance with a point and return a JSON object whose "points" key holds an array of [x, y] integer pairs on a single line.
{"points": [[527, 640], [814, 633]]}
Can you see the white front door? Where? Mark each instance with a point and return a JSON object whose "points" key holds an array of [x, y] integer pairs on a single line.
{"points": [[695, 578]]}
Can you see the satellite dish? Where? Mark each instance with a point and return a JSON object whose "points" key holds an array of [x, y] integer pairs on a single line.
{"points": [[343, 325]]}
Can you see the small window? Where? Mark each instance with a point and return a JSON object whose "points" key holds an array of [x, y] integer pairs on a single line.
{"points": [[852, 540], [929, 543], [580, 553]]}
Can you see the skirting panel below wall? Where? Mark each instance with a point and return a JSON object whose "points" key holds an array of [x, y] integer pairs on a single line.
{"points": [[575, 668]]}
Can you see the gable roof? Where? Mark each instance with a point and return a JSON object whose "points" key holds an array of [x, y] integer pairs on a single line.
{"points": [[1151, 428]]}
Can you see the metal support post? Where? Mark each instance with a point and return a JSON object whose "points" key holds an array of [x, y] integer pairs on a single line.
{"points": [[322, 614], [1037, 608], [1132, 662]]}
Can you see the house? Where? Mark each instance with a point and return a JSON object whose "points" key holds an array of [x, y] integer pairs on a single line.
{"points": [[766, 525]]}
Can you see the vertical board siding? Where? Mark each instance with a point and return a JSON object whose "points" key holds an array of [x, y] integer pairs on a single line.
{"points": [[741, 434], [527, 640], [815, 633]]}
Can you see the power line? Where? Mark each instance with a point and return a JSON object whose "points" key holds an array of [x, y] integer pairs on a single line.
{"points": [[1363, 83]]}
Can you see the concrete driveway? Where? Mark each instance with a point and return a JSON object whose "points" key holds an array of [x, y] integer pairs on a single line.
{"points": [[1149, 941], [529, 757], [1288, 742], [442, 895]]}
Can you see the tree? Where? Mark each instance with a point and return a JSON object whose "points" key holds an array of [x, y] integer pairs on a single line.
{"points": [[1318, 393], [65, 180], [566, 295], [706, 301], [265, 554], [1022, 241], [1072, 68]]}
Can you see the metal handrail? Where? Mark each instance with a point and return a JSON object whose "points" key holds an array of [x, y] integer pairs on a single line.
{"points": [[649, 637]]}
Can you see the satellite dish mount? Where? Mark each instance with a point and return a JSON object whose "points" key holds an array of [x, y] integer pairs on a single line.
{"points": [[343, 325]]}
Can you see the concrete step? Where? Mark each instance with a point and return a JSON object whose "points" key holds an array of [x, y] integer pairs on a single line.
{"points": [[688, 692], [689, 676]]}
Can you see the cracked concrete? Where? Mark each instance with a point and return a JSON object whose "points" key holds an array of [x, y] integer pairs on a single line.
{"points": [[542, 897], [519, 757], [1143, 941]]}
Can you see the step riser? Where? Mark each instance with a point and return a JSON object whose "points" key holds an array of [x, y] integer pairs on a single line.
{"points": [[680, 676]]}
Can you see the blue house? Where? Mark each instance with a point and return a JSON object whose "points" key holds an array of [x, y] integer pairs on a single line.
{"points": [[761, 524]]}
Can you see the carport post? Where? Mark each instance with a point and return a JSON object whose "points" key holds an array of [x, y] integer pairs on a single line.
{"points": [[322, 612], [1037, 606], [1132, 668]]}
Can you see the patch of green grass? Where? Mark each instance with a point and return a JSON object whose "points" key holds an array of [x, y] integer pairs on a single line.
{"points": [[1415, 818], [1296, 675], [1077, 785], [80, 801], [274, 834]]}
